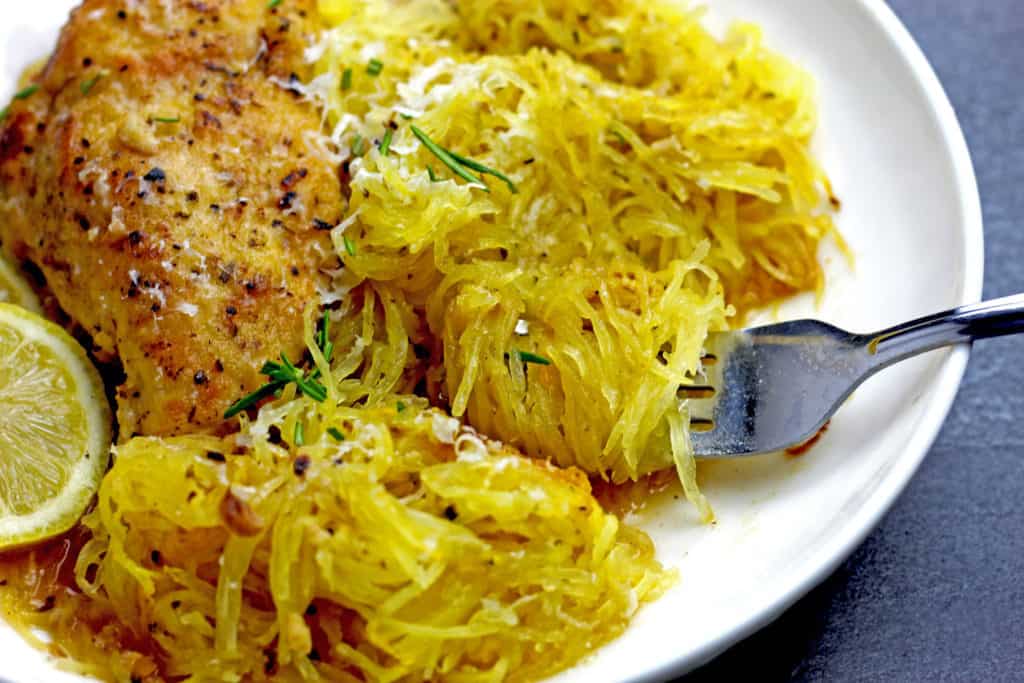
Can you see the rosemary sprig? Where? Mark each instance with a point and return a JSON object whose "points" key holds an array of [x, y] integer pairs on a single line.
{"points": [[460, 165], [385, 144], [283, 373], [528, 357], [88, 85], [26, 92], [448, 160], [477, 166]]}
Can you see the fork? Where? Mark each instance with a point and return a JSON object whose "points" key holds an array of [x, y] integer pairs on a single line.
{"points": [[774, 387]]}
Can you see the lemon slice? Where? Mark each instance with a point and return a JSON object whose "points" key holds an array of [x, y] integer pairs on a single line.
{"points": [[54, 428], [14, 289]]}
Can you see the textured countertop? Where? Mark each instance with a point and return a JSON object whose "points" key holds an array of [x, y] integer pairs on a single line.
{"points": [[937, 591]]}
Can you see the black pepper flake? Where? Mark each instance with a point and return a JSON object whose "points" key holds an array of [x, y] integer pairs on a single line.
{"points": [[215, 456], [121, 14], [175, 604], [215, 207], [300, 465], [83, 222], [87, 62], [155, 557], [270, 661], [310, 610], [314, 655], [231, 310], [276, 223], [85, 143], [274, 434], [156, 174], [48, 603], [192, 196], [135, 237], [78, 161], [321, 225], [285, 202], [450, 514], [218, 366], [200, 377]]}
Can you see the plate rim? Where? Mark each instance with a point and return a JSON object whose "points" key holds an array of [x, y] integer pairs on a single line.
{"points": [[949, 375]]}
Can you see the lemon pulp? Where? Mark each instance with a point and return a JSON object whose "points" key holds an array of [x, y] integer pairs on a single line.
{"points": [[54, 428]]}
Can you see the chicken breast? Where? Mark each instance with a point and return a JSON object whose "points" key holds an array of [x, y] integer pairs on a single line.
{"points": [[167, 180]]}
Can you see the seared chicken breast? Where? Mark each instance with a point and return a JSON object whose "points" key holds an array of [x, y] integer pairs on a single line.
{"points": [[165, 176]]}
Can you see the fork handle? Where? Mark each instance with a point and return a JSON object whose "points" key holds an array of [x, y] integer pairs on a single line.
{"points": [[957, 326]]}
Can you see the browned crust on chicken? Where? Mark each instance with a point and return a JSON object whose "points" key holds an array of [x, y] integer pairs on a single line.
{"points": [[190, 247]]}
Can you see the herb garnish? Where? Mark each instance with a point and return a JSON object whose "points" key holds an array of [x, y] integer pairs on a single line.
{"points": [[374, 67], [346, 79], [167, 119], [273, 3], [87, 85], [284, 373], [385, 144], [461, 165], [336, 434], [300, 434], [400, 407], [350, 246], [528, 357], [27, 92], [430, 173]]}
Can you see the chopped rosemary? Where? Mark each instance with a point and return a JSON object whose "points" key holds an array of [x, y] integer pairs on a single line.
{"points": [[477, 166], [400, 407], [273, 3], [385, 144], [336, 434], [374, 67], [88, 85], [26, 92], [346, 79], [358, 146], [167, 119], [350, 246], [448, 160], [284, 373], [300, 434], [528, 357]]}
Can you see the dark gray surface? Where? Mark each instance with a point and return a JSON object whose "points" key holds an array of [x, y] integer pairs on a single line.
{"points": [[937, 591]]}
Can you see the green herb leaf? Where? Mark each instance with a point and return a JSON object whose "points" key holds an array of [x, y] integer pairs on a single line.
{"points": [[273, 3], [374, 67], [336, 434], [26, 92], [252, 399], [350, 246], [3, 113], [477, 166], [167, 119], [88, 85], [430, 173], [300, 434], [448, 160], [528, 357], [346, 79], [400, 407], [385, 144]]}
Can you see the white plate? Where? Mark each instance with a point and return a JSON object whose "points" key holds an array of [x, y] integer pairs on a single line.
{"points": [[890, 140]]}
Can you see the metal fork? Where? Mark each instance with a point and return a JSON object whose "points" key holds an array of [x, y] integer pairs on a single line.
{"points": [[770, 388]]}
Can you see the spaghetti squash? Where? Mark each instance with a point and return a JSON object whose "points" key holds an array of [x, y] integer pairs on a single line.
{"points": [[571, 195]]}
